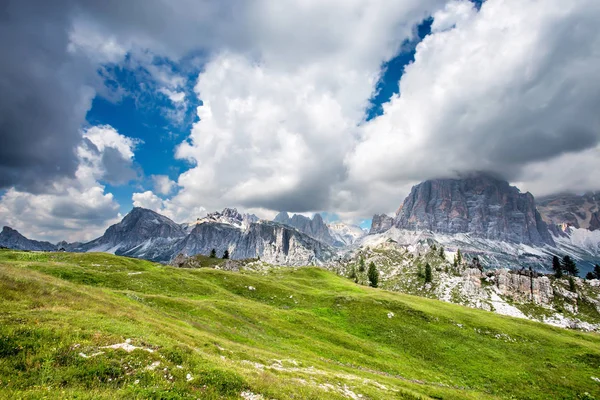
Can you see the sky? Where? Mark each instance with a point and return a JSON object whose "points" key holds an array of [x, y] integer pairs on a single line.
{"points": [[334, 106]]}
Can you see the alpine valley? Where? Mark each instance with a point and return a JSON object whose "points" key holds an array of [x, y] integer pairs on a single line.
{"points": [[489, 246]]}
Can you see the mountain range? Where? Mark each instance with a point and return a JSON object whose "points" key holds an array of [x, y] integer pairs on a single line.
{"points": [[482, 215]]}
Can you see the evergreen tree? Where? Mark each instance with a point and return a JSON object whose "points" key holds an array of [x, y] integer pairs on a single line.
{"points": [[226, 254], [597, 271], [572, 286], [557, 267], [373, 275], [428, 275], [213, 253], [458, 257], [361, 264], [442, 253], [590, 276], [569, 266]]}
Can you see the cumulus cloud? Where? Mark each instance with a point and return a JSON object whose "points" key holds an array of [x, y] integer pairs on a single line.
{"points": [[163, 184], [77, 208], [276, 123], [172, 208]]}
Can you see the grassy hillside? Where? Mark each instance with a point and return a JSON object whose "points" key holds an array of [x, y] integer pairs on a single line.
{"points": [[300, 333]]}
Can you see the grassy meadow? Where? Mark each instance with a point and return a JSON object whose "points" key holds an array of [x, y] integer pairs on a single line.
{"points": [[285, 333]]}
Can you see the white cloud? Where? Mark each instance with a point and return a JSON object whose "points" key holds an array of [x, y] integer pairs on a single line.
{"points": [[278, 120], [87, 38], [175, 97], [454, 14], [74, 209], [163, 184], [170, 208], [104, 136]]}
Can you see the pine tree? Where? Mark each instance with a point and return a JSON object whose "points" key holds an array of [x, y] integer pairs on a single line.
{"points": [[213, 253], [458, 257], [226, 254], [373, 275], [597, 271], [589, 276], [569, 266], [361, 264], [572, 286], [442, 253], [428, 275], [557, 267]]}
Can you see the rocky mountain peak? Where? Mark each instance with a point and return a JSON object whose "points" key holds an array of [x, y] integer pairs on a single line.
{"points": [[283, 218], [12, 239], [315, 227], [482, 205], [381, 223]]}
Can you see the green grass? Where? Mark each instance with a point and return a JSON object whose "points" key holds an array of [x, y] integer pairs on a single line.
{"points": [[302, 333]]}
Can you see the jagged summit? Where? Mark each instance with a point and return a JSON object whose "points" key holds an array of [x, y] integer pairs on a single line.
{"points": [[314, 227], [481, 205]]}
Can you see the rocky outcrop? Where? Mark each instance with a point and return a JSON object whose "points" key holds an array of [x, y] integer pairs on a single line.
{"points": [[12, 239], [481, 205], [578, 211], [380, 223], [315, 227], [524, 287]]}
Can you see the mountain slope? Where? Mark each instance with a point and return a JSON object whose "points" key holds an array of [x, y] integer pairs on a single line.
{"points": [[578, 211], [401, 258], [285, 333], [12, 239], [143, 234]]}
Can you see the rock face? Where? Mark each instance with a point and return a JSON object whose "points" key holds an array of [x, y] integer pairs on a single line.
{"points": [[483, 206], [344, 233], [12, 239], [578, 211], [314, 228], [146, 234], [142, 234], [523, 287], [381, 223]]}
